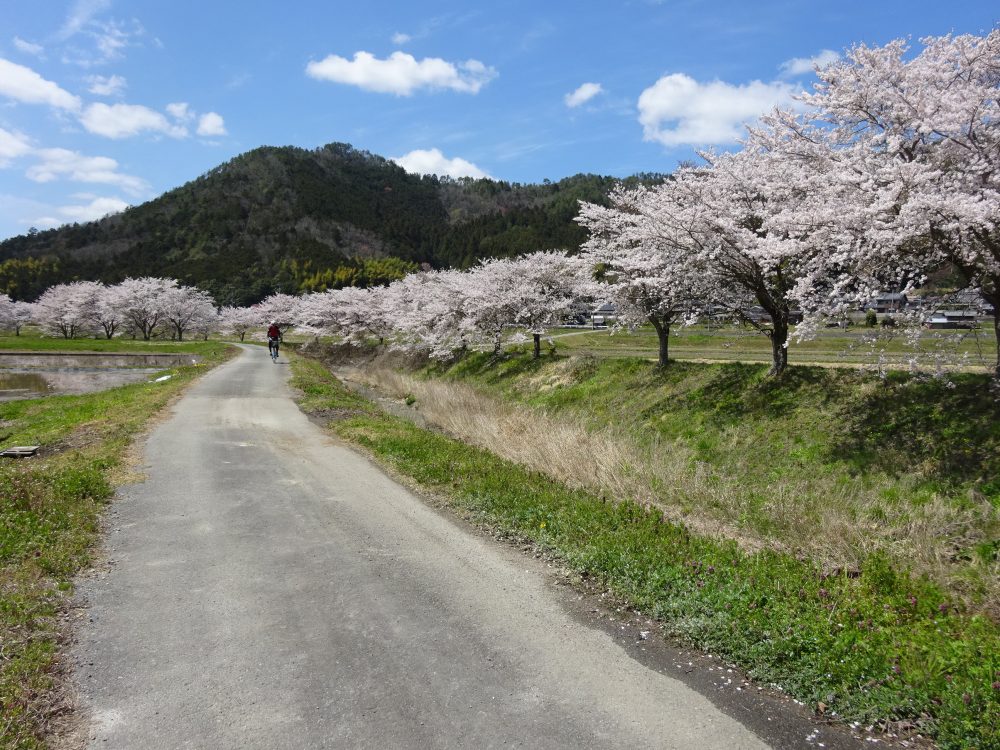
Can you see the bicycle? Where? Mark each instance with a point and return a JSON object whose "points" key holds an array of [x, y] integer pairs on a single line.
{"points": [[272, 347]]}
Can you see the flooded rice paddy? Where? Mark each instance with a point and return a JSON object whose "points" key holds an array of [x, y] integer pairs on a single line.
{"points": [[38, 374]]}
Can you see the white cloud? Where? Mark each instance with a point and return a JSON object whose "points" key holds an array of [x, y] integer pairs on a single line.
{"points": [[55, 163], [112, 38], [434, 162], [401, 73], [12, 145], [109, 38], [800, 65], [80, 15], [180, 111], [125, 120], [678, 110], [28, 47], [584, 93], [106, 85], [89, 208], [97, 208], [400, 38], [211, 123], [44, 222], [25, 85], [239, 80]]}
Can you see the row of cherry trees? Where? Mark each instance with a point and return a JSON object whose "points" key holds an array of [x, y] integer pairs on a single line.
{"points": [[437, 312], [444, 312], [889, 171], [143, 308], [140, 308]]}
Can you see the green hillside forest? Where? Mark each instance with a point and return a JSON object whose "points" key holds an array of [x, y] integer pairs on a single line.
{"points": [[294, 220]]}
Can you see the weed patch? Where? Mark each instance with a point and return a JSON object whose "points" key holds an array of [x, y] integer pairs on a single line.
{"points": [[831, 463]]}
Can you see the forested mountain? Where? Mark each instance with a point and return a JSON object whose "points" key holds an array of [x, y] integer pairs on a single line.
{"points": [[291, 219]]}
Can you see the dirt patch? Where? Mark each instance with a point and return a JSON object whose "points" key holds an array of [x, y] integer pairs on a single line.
{"points": [[79, 439], [323, 417]]}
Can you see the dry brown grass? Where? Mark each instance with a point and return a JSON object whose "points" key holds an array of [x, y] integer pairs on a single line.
{"points": [[835, 522]]}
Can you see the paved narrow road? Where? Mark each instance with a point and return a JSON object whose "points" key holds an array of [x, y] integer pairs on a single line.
{"points": [[270, 588]]}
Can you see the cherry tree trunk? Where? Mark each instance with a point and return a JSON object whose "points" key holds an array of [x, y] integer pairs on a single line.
{"points": [[663, 334], [538, 345], [996, 333], [779, 348]]}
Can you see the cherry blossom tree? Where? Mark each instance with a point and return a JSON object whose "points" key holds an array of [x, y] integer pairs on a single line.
{"points": [[548, 291], [714, 217], [186, 307], [68, 310], [349, 313], [108, 311], [751, 224], [6, 312], [920, 136], [22, 314], [142, 303], [649, 280], [431, 313], [279, 308], [375, 314], [397, 316], [205, 322], [238, 320], [493, 297]]}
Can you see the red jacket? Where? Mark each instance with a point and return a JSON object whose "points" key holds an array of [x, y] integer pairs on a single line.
{"points": [[273, 332]]}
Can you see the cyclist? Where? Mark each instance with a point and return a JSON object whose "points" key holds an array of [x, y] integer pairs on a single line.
{"points": [[273, 339]]}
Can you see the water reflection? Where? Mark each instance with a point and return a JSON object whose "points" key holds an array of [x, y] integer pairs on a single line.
{"points": [[43, 374], [49, 360], [22, 385]]}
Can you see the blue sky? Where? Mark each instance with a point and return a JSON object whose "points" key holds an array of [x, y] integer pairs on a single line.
{"points": [[105, 103]]}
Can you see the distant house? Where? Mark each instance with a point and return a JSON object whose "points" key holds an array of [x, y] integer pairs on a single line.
{"points": [[941, 319], [888, 302], [603, 314], [757, 314], [974, 299]]}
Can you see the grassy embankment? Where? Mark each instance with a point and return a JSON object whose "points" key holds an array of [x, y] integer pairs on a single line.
{"points": [[50, 507], [870, 642]]}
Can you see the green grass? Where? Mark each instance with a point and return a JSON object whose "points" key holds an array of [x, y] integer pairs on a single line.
{"points": [[915, 460], [32, 341], [947, 431], [875, 645], [731, 343], [49, 520]]}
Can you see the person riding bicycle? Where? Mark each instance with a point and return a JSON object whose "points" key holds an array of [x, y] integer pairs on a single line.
{"points": [[273, 339]]}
